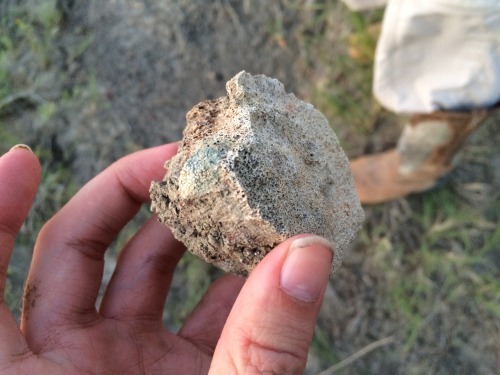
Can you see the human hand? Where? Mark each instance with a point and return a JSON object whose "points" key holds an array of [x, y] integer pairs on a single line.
{"points": [[270, 317]]}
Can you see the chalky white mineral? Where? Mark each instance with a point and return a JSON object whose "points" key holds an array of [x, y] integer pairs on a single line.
{"points": [[256, 167]]}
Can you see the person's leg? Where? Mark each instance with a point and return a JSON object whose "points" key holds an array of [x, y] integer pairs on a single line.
{"points": [[439, 61], [425, 152]]}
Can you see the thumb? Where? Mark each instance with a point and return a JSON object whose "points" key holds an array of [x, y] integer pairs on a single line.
{"points": [[271, 324]]}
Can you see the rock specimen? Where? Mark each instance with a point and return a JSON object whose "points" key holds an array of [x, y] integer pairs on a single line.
{"points": [[254, 168]]}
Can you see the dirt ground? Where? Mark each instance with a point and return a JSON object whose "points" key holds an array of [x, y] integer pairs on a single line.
{"points": [[154, 60], [420, 286]]}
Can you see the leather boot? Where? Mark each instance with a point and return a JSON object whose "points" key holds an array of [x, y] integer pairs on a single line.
{"points": [[426, 151]]}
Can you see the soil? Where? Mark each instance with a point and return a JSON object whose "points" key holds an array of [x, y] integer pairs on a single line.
{"points": [[154, 60], [134, 68]]}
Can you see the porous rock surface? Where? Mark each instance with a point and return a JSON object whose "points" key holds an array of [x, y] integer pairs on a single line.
{"points": [[256, 167]]}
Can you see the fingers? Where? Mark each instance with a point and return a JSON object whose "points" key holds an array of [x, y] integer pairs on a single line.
{"points": [[270, 327], [19, 178], [204, 325], [67, 265], [138, 289]]}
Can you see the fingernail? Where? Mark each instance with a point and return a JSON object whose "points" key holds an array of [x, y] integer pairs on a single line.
{"points": [[23, 146], [307, 268]]}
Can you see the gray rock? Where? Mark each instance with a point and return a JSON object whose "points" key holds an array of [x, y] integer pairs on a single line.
{"points": [[254, 168]]}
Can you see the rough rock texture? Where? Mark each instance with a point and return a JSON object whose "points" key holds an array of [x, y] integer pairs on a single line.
{"points": [[254, 168]]}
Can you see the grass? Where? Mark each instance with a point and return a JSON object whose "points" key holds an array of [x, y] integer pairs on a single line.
{"points": [[444, 290], [26, 36], [340, 55], [424, 269], [450, 273], [431, 260], [28, 91]]}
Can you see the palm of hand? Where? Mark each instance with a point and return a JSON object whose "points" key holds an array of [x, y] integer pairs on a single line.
{"points": [[61, 330], [110, 346]]}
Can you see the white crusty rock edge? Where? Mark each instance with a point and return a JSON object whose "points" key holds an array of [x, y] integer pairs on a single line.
{"points": [[256, 167]]}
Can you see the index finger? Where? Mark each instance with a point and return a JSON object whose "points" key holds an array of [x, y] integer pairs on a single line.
{"points": [[19, 177], [68, 260]]}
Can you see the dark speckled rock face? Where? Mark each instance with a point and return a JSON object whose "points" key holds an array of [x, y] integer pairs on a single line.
{"points": [[254, 168]]}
